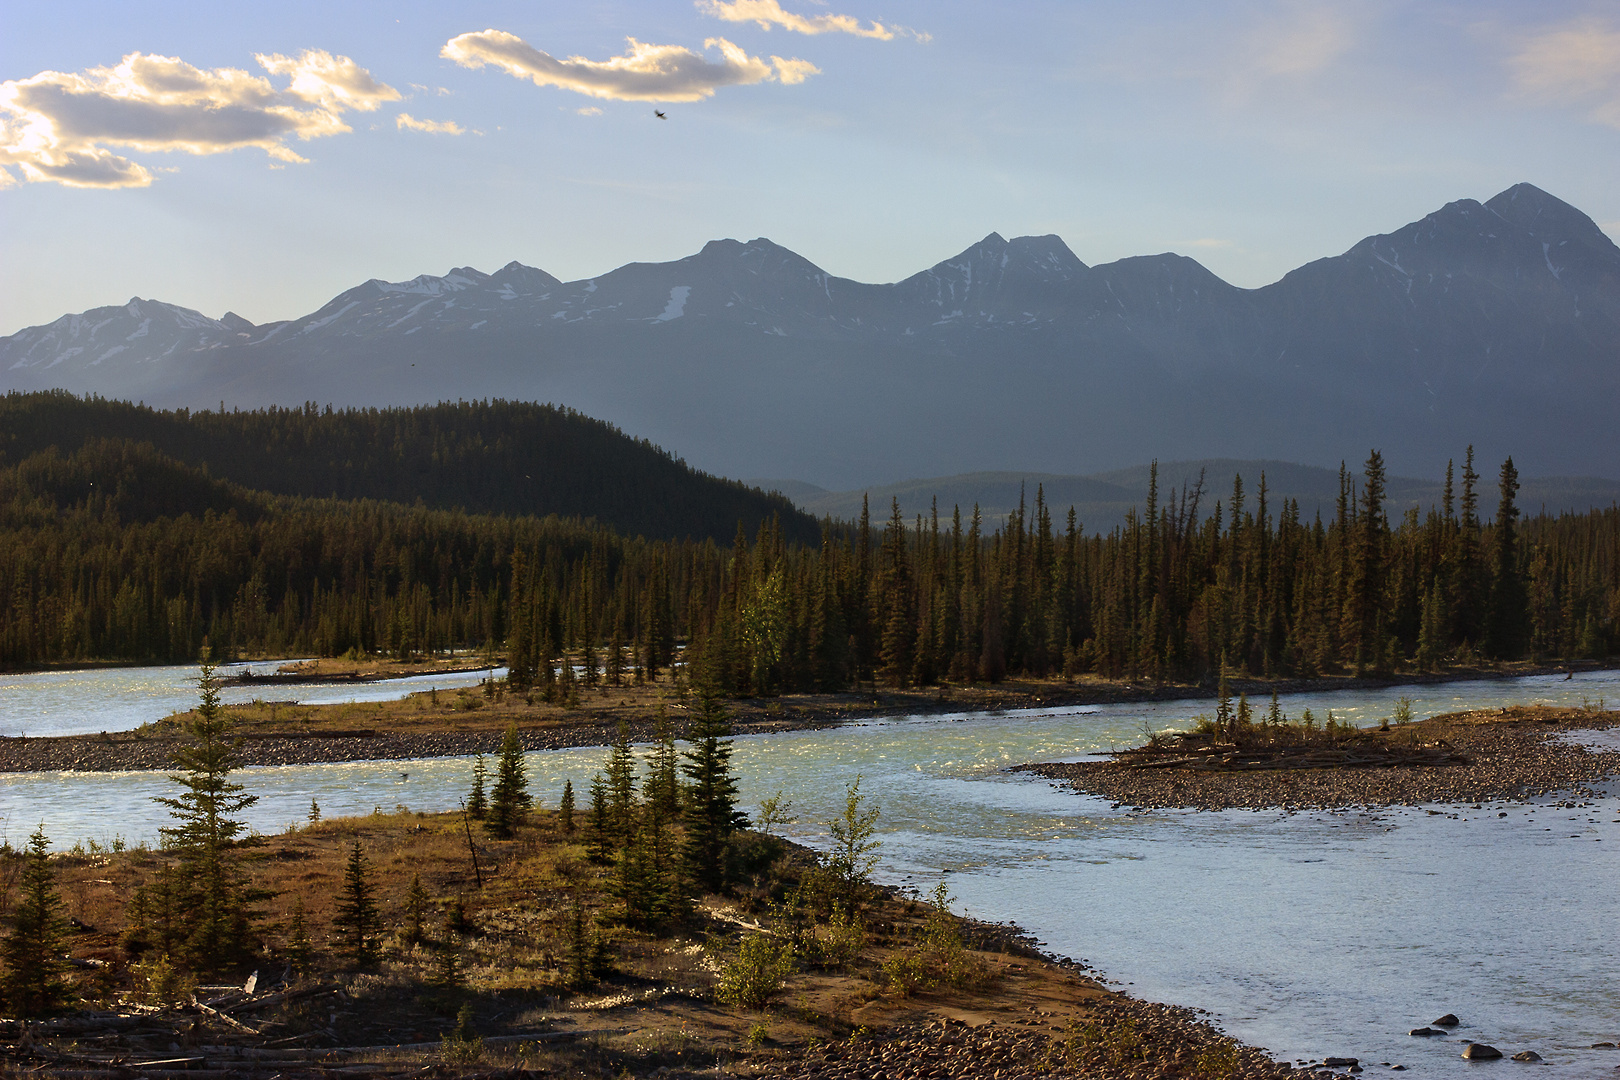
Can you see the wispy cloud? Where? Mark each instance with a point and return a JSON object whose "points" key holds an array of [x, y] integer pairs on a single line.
{"points": [[405, 121], [1300, 38], [644, 73], [1574, 64], [589, 110], [768, 13], [57, 127]]}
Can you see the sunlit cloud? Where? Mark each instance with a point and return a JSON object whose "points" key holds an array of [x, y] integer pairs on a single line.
{"points": [[644, 73], [1301, 39], [1575, 64], [57, 127], [589, 110], [768, 13], [407, 122]]}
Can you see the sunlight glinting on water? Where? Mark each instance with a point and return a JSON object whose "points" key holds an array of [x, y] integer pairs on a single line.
{"points": [[1312, 934]]}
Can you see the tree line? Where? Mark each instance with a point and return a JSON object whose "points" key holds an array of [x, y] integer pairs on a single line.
{"points": [[485, 457], [94, 567]]}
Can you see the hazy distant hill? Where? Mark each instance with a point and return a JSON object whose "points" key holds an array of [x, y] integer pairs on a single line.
{"points": [[1496, 324], [1102, 500], [483, 457]]}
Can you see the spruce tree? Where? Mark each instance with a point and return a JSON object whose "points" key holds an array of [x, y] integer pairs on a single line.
{"points": [[212, 887], [356, 916], [32, 980], [565, 808], [509, 800], [1507, 628], [478, 798], [663, 787], [602, 840], [300, 953], [416, 906], [621, 785], [711, 813]]}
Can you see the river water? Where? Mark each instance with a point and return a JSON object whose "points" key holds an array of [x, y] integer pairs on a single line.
{"points": [[92, 700], [1311, 934]]}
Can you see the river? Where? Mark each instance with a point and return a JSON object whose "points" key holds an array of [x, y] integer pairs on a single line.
{"points": [[1311, 934]]}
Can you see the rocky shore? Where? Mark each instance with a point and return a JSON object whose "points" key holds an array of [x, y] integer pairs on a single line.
{"points": [[1510, 753], [1122, 1039]]}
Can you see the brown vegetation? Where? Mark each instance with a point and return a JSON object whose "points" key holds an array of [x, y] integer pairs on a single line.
{"points": [[490, 986]]}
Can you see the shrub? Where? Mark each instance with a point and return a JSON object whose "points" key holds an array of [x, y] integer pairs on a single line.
{"points": [[757, 974]]}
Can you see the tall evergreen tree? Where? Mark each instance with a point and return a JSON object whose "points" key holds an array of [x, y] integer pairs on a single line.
{"points": [[509, 800], [208, 877], [711, 813], [356, 917], [32, 982], [1508, 626]]}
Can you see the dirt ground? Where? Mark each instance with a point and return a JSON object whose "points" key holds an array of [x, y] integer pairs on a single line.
{"points": [[656, 1012]]}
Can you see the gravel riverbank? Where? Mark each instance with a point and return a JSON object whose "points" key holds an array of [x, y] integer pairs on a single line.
{"points": [[1511, 753]]}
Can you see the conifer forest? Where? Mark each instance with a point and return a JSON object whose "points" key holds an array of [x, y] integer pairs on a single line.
{"points": [[117, 551]]}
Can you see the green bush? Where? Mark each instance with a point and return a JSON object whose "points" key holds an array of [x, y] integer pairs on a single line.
{"points": [[757, 974]]}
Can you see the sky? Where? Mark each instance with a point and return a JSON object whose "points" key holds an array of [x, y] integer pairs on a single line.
{"points": [[261, 158]]}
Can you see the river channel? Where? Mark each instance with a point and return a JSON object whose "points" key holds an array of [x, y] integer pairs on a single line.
{"points": [[1311, 934]]}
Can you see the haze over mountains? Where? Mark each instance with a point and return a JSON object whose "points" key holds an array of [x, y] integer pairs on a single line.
{"points": [[1496, 324], [1102, 500]]}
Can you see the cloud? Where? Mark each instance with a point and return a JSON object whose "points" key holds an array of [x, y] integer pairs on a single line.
{"points": [[644, 73], [405, 121], [1300, 39], [589, 110], [1574, 64], [57, 127], [769, 13]]}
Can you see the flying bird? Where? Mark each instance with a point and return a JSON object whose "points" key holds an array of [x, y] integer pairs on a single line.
{"points": [[660, 114]]}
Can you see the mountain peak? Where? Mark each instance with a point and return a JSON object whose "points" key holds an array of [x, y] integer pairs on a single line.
{"points": [[1547, 217]]}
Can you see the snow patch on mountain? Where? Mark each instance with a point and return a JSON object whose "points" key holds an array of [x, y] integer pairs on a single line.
{"points": [[677, 303]]}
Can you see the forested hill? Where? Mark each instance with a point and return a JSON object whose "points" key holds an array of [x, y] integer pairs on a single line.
{"points": [[494, 457]]}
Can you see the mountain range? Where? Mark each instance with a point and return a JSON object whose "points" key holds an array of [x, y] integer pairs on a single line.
{"points": [[1495, 324]]}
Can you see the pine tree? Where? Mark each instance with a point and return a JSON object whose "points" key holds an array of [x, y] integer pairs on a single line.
{"points": [[711, 813], [356, 916], [565, 808], [32, 981], [213, 888], [601, 845], [509, 800], [1508, 623], [621, 782], [416, 906], [300, 953], [662, 790], [477, 799]]}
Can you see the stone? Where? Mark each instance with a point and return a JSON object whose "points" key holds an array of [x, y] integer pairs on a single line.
{"points": [[1339, 1063], [1425, 1032], [1603, 1046], [1481, 1052], [1448, 1020], [1527, 1055]]}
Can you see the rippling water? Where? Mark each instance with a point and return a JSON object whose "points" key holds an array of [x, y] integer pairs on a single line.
{"points": [[1310, 934]]}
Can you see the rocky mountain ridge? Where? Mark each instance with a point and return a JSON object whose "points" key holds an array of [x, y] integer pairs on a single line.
{"points": [[1494, 323]]}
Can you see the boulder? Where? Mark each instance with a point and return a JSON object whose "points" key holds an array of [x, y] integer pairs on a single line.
{"points": [[1448, 1020], [1527, 1055], [1481, 1052], [1339, 1063], [1425, 1032], [1603, 1046]]}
